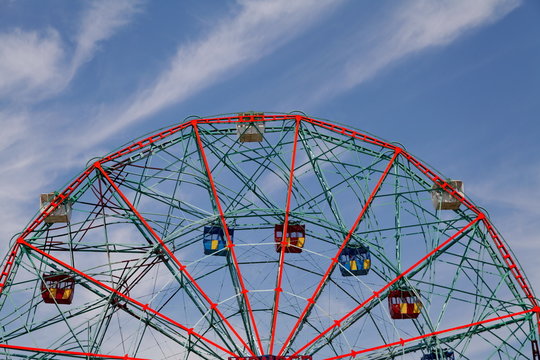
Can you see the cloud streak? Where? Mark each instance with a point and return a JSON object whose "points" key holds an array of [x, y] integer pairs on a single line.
{"points": [[29, 61], [255, 30], [101, 21], [35, 65], [258, 29], [413, 26]]}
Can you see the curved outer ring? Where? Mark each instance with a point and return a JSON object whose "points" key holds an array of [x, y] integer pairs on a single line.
{"points": [[506, 255]]}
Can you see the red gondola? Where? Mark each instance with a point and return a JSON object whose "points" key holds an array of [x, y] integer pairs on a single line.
{"points": [[404, 304], [295, 239], [57, 288]]}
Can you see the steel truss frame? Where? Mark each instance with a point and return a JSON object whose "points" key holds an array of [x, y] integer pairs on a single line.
{"points": [[121, 186]]}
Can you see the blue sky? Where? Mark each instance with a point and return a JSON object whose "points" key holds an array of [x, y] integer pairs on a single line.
{"points": [[456, 82]]}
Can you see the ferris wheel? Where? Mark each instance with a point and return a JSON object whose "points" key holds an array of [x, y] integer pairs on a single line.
{"points": [[263, 236]]}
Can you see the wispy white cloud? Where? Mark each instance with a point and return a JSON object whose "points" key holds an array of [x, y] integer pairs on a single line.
{"points": [[35, 65], [410, 27], [31, 158], [14, 127], [258, 29], [18, 182], [29, 61], [101, 21]]}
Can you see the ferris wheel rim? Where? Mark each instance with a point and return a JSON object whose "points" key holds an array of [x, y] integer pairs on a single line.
{"points": [[194, 123]]}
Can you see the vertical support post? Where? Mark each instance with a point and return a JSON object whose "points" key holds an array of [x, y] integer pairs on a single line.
{"points": [[535, 350], [140, 305], [181, 267], [338, 323], [313, 299], [278, 290], [230, 244]]}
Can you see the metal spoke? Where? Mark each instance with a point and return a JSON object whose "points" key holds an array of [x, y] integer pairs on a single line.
{"points": [[127, 271]]}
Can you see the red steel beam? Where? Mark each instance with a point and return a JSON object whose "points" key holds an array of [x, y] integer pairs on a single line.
{"points": [[337, 323], [181, 267], [371, 140], [503, 250], [313, 299], [512, 265], [8, 265], [230, 244], [278, 290], [64, 195], [352, 133], [163, 134], [363, 137], [507, 257], [340, 130], [57, 201], [402, 342], [441, 182], [65, 352], [144, 307], [514, 270]]}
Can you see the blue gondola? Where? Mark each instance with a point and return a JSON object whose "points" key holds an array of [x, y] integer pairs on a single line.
{"points": [[214, 240], [355, 261], [439, 355]]}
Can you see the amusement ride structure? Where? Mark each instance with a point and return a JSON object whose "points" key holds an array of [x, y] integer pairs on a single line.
{"points": [[263, 236]]}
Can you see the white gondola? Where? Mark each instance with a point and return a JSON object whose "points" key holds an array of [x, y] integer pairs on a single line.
{"points": [[62, 214], [444, 200], [252, 129]]}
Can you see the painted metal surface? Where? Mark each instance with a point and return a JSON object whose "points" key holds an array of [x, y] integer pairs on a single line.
{"points": [[143, 285]]}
